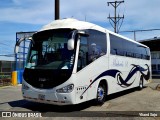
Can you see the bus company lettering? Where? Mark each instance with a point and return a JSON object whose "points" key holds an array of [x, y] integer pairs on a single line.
{"points": [[118, 63]]}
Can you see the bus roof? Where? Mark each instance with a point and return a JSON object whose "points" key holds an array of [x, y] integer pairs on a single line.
{"points": [[72, 24], [79, 25]]}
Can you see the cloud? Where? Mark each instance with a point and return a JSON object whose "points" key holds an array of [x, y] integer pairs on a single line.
{"points": [[17, 2], [139, 14], [40, 12], [92, 10], [144, 13], [21, 15], [32, 12]]}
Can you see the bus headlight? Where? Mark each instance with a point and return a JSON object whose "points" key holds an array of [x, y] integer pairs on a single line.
{"points": [[66, 89]]}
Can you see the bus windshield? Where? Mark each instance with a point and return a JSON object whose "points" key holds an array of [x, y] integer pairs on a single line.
{"points": [[49, 51]]}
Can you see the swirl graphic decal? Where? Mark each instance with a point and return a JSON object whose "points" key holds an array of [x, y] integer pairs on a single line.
{"points": [[124, 82]]}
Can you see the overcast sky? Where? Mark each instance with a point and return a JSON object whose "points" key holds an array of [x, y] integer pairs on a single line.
{"points": [[31, 15]]}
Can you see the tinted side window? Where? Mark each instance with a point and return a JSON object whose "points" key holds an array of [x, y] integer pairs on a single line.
{"points": [[122, 47], [117, 47], [97, 44]]}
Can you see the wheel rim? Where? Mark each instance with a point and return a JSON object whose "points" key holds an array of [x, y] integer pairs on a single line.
{"points": [[141, 84], [101, 93]]}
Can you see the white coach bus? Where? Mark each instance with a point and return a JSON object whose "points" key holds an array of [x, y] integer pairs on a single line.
{"points": [[71, 61]]}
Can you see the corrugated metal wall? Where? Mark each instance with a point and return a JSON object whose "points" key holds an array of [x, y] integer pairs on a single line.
{"points": [[6, 67]]}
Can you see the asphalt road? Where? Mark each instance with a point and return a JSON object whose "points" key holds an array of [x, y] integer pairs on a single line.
{"points": [[120, 104]]}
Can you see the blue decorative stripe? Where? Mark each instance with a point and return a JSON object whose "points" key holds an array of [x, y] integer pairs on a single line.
{"points": [[123, 83], [111, 73]]}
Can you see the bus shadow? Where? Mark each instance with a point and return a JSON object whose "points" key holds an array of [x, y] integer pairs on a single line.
{"points": [[122, 93], [43, 108], [40, 107]]}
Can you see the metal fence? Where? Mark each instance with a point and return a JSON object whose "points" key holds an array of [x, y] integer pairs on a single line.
{"points": [[21, 56]]}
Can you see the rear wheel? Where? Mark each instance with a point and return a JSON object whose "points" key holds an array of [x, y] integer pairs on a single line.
{"points": [[101, 94], [141, 84]]}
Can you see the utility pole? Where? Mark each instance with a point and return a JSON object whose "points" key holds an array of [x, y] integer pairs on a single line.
{"points": [[116, 19], [57, 9]]}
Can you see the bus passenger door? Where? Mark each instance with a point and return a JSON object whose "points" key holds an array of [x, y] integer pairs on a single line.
{"points": [[81, 74], [83, 54]]}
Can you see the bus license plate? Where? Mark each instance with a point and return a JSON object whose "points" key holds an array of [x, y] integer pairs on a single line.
{"points": [[41, 96]]}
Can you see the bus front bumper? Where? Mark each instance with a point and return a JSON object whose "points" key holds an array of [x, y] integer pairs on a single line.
{"points": [[55, 99], [48, 96]]}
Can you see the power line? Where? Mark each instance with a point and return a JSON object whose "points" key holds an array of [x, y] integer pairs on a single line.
{"points": [[8, 55], [140, 30], [4, 44], [144, 30], [116, 19], [4, 51]]}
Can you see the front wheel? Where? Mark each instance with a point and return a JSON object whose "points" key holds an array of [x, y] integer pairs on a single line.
{"points": [[101, 94]]}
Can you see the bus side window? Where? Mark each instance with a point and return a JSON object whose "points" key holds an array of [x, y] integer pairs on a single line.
{"points": [[97, 45], [91, 48]]}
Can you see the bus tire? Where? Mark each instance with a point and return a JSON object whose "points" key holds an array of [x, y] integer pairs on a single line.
{"points": [[141, 84], [101, 93]]}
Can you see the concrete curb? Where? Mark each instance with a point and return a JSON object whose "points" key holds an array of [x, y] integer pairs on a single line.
{"points": [[158, 87], [154, 86], [5, 106], [3, 87]]}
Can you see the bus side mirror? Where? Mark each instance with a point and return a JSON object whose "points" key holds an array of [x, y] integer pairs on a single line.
{"points": [[70, 44], [16, 49], [83, 33]]}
